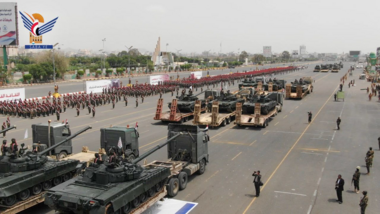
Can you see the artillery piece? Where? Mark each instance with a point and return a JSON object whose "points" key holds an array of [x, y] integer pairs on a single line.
{"points": [[28, 173], [110, 187]]}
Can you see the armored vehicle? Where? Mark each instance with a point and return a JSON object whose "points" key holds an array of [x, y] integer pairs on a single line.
{"points": [[25, 173], [325, 68], [317, 68], [247, 83], [276, 85], [58, 132], [268, 103], [109, 138], [227, 102], [110, 187], [186, 102]]}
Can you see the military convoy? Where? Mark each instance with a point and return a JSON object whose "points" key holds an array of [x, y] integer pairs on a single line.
{"points": [[317, 68], [123, 187], [26, 174], [299, 89]]}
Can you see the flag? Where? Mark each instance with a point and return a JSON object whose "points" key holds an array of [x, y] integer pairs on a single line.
{"points": [[26, 134], [206, 129], [136, 126], [191, 87], [120, 144]]}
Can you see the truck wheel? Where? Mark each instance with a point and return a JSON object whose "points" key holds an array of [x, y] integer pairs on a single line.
{"points": [[224, 123], [173, 187], [62, 155], [182, 177], [10, 200], [202, 167]]}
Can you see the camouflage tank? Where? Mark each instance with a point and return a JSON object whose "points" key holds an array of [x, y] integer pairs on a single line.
{"points": [[227, 102], [268, 103], [29, 173], [317, 68], [276, 85], [110, 187], [304, 82], [248, 83], [186, 102]]}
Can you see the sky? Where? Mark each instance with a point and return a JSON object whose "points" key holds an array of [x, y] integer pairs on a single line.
{"points": [[324, 26]]}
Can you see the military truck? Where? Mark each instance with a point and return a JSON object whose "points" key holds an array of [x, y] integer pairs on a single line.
{"points": [[130, 187], [58, 132]]}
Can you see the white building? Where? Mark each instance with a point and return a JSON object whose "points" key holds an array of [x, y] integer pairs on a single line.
{"points": [[302, 50]]}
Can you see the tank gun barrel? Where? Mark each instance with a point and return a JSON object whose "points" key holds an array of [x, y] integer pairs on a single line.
{"points": [[65, 140], [146, 154], [199, 93], [7, 129]]}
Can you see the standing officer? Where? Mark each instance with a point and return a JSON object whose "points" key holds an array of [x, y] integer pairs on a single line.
{"points": [[370, 154], [356, 179], [2, 128], [93, 111], [335, 96], [78, 111], [310, 115], [57, 113], [378, 140], [8, 122], [339, 187], [338, 123], [137, 102], [363, 202], [4, 148], [142, 98], [113, 103], [368, 164], [257, 182], [126, 102]]}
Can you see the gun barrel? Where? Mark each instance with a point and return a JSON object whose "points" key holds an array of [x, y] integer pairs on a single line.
{"points": [[7, 129], [65, 140], [146, 154]]}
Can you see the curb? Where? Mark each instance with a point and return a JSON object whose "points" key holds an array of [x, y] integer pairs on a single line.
{"points": [[48, 97]]}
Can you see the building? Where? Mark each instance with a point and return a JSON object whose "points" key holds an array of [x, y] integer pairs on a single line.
{"points": [[267, 51], [302, 50]]}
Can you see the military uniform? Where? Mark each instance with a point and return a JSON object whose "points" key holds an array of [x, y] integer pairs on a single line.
{"points": [[363, 202], [4, 127], [93, 111], [355, 180]]}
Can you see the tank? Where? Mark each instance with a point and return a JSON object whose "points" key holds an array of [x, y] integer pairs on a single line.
{"points": [[186, 103], [276, 85], [227, 102], [317, 68], [304, 82], [248, 83], [268, 103], [325, 67], [110, 187], [29, 173]]}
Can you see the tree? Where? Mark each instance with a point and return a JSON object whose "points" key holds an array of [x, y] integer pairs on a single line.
{"points": [[134, 52], [258, 58], [285, 55], [27, 77], [243, 55], [61, 62]]}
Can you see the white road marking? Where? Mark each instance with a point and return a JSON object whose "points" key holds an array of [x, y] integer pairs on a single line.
{"points": [[312, 153], [290, 193], [323, 169], [309, 211], [319, 181], [315, 193], [325, 159]]}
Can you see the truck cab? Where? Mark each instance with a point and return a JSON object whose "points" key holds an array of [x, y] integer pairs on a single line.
{"points": [[58, 132], [109, 138]]}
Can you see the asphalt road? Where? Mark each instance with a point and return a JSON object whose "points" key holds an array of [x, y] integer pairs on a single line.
{"points": [[299, 161], [80, 85]]}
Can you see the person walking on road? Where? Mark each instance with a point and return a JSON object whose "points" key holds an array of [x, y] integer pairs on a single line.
{"points": [[137, 102], [93, 111], [8, 122], [356, 179], [78, 111], [335, 96], [339, 187], [363, 203], [257, 182], [378, 140], [338, 123], [2, 128], [310, 116]]}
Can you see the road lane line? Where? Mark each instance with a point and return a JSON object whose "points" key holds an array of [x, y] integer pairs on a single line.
{"points": [[222, 132], [276, 123], [285, 116], [290, 150], [290, 193], [325, 159], [315, 193], [308, 212], [265, 133], [252, 143], [319, 181], [296, 107], [291, 111], [323, 168], [212, 175], [236, 156]]}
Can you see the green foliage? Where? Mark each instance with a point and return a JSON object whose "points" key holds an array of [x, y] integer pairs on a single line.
{"points": [[108, 71], [243, 55], [285, 55], [120, 70], [43, 70], [80, 73], [224, 64], [257, 58], [27, 77], [98, 72], [186, 66]]}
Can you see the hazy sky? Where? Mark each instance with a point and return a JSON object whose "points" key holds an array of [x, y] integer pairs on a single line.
{"points": [[195, 26]]}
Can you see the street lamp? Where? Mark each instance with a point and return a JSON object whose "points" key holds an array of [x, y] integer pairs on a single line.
{"points": [[54, 63], [129, 58]]}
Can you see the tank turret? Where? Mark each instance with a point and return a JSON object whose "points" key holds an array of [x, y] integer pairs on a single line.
{"points": [[110, 186], [186, 103], [23, 174]]}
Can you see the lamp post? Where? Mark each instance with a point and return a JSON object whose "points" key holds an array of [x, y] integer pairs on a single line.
{"points": [[129, 59], [104, 51], [54, 63]]}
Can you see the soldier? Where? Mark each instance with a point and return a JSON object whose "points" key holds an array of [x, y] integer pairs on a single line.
{"points": [[113, 103], [370, 154], [126, 104], [363, 202], [98, 159], [172, 92], [335, 97], [310, 115], [378, 140], [14, 147], [57, 113], [338, 123], [137, 102], [370, 96], [112, 157], [89, 109], [78, 111], [356, 179], [368, 164], [8, 122], [160, 94], [2, 128], [34, 149], [93, 111], [4, 148], [142, 98]]}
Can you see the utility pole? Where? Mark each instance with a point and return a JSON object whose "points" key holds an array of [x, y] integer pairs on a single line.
{"points": [[54, 63], [104, 51]]}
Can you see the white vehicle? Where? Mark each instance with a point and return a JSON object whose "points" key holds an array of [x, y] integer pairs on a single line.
{"points": [[359, 66]]}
